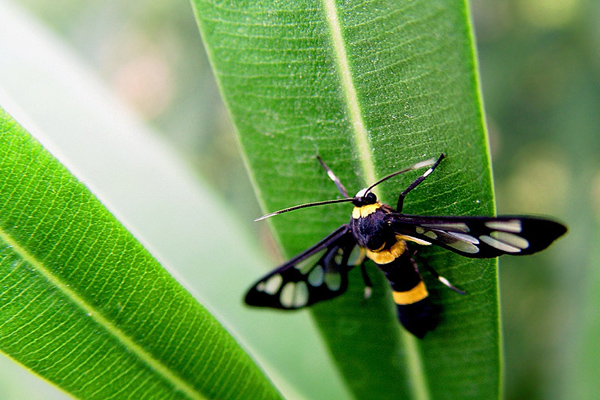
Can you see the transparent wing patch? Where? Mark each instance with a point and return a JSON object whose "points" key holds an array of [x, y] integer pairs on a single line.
{"points": [[479, 237], [320, 273]]}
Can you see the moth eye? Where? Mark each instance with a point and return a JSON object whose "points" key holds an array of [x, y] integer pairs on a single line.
{"points": [[371, 198]]}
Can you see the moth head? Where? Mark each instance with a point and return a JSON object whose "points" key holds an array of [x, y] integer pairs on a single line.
{"points": [[364, 197]]}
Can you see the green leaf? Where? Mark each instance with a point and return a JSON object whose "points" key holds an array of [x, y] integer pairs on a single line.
{"points": [[156, 195], [85, 306], [371, 87]]}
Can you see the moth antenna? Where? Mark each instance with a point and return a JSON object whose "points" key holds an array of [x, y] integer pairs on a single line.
{"points": [[432, 162], [317, 203], [334, 178]]}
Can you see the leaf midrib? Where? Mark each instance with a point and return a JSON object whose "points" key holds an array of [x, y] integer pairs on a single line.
{"points": [[415, 370], [155, 365], [361, 139]]}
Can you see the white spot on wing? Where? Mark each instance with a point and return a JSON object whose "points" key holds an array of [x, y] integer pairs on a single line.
{"points": [[356, 256], [499, 245], [301, 295], [333, 281], [431, 234], [511, 239], [286, 298], [464, 237], [513, 225], [271, 286], [465, 247], [338, 258], [417, 240], [305, 266], [315, 278], [449, 226]]}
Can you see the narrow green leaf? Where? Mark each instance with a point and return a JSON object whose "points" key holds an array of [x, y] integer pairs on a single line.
{"points": [[371, 87], [85, 306], [155, 194]]}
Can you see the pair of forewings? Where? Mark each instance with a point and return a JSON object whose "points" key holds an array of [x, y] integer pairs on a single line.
{"points": [[321, 272]]}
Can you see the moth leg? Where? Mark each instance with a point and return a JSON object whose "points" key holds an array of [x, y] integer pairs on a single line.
{"points": [[334, 178], [416, 183], [367, 280], [437, 276]]}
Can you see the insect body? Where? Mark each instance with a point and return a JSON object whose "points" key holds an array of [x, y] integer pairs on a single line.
{"points": [[385, 236]]}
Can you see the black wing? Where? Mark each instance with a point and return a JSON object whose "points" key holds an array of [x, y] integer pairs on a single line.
{"points": [[301, 281], [480, 237]]}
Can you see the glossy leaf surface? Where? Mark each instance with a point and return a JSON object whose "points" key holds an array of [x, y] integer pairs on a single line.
{"points": [[85, 306], [372, 88]]}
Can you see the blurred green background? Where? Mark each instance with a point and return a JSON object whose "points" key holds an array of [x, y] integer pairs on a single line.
{"points": [[540, 74]]}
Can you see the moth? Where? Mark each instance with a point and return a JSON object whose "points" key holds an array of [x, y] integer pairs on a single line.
{"points": [[386, 236]]}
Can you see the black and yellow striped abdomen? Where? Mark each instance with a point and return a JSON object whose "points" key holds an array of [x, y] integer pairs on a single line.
{"points": [[389, 251], [408, 289]]}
